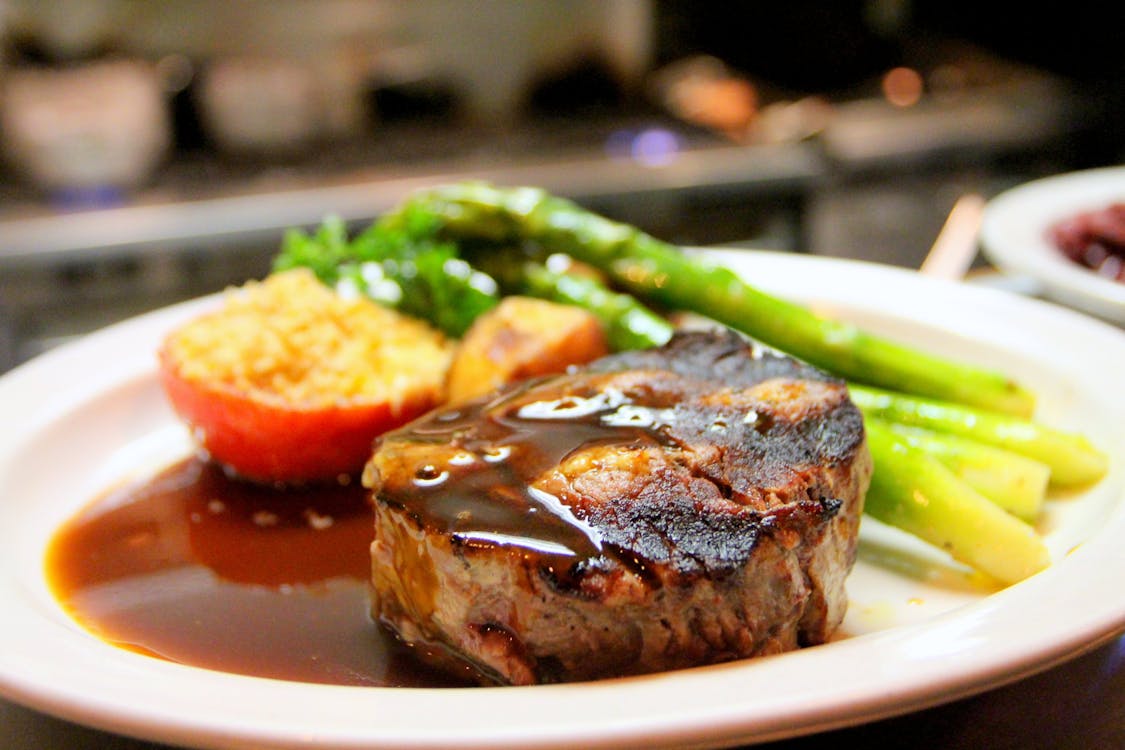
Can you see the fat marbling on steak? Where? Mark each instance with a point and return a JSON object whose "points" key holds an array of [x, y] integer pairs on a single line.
{"points": [[654, 510]]}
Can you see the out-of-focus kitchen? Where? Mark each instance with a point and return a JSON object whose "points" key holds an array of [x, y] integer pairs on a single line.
{"points": [[154, 152]]}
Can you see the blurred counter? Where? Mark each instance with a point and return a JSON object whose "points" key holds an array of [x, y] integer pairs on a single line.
{"points": [[860, 177]]}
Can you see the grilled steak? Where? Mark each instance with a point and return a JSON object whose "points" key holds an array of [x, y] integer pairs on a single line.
{"points": [[655, 510]]}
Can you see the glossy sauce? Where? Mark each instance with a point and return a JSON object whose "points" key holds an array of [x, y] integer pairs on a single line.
{"points": [[199, 569], [481, 493]]}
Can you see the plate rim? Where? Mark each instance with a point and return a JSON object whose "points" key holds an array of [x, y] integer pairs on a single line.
{"points": [[725, 721]]}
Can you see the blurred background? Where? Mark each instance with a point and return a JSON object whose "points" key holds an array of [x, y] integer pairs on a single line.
{"points": [[155, 151]]}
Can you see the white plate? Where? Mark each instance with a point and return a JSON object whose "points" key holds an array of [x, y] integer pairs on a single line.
{"points": [[1014, 238], [920, 631]]}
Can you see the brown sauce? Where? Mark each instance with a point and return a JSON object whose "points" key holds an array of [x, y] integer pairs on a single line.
{"points": [[481, 491], [195, 568]]}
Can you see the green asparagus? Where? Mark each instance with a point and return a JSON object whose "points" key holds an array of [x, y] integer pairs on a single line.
{"points": [[916, 493], [1016, 483], [662, 273], [1072, 459]]}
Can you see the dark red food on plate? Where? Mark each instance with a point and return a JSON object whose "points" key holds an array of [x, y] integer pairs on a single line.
{"points": [[1096, 239], [654, 510]]}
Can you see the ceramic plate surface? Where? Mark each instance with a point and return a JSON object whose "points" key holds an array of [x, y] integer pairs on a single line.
{"points": [[1014, 237], [920, 630]]}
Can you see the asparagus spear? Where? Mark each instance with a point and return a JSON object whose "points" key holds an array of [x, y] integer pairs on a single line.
{"points": [[916, 493], [660, 272], [1016, 483], [1070, 456], [678, 280]]}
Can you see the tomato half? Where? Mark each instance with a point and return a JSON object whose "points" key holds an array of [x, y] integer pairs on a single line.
{"points": [[265, 441], [288, 381]]}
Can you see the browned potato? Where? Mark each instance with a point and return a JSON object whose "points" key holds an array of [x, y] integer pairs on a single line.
{"points": [[520, 338]]}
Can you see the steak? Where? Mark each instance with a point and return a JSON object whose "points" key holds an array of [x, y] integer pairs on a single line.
{"points": [[654, 510]]}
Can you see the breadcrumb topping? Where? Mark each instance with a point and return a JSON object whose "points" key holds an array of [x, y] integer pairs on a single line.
{"points": [[291, 339]]}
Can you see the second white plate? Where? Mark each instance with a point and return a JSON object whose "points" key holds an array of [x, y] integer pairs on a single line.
{"points": [[1014, 237]]}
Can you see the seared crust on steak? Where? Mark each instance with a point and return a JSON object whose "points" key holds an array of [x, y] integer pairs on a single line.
{"points": [[659, 509]]}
